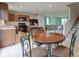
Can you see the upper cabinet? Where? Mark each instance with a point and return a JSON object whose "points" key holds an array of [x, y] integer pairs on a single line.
{"points": [[3, 11], [17, 17], [13, 17], [24, 17]]}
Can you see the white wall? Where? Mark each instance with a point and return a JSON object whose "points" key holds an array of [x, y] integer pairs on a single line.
{"points": [[40, 20], [73, 13]]}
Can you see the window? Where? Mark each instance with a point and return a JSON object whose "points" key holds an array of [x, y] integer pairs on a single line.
{"points": [[63, 20], [47, 21], [55, 20]]}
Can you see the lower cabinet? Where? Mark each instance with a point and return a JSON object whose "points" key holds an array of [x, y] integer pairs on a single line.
{"points": [[7, 37]]}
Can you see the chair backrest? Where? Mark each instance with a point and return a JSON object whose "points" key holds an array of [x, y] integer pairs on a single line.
{"points": [[25, 42], [72, 43]]}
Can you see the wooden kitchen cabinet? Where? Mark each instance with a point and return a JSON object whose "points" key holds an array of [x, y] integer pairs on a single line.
{"points": [[7, 37], [17, 17], [3, 11], [24, 17], [13, 17]]}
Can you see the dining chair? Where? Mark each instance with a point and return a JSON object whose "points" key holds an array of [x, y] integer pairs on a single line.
{"points": [[31, 52], [63, 51]]}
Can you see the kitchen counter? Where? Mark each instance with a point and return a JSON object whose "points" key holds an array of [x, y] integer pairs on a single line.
{"points": [[7, 36], [35, 27], [6, 27]]}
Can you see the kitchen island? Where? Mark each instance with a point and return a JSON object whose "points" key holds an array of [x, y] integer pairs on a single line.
{"points": [[7, 36]]}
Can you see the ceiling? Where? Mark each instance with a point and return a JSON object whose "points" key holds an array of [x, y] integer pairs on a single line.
{"points": [[42, 8]]}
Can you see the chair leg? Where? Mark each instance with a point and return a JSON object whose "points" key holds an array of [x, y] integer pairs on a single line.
{"points": [[59, 44], [70, 54], [23, 54], [49, 50], [22, 51]]}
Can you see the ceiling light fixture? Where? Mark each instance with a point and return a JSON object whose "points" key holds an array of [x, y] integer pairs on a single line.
{"points": [[21, 6], [40, 10], [50, 5]]}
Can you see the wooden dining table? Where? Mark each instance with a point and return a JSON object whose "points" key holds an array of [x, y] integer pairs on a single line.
{"points": [[51, 38]]}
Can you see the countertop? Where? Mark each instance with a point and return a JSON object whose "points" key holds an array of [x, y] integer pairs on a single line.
{"points": [[6, 27]]}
